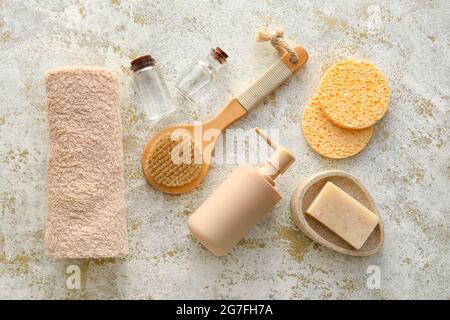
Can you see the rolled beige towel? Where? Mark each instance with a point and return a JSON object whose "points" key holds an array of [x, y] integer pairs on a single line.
{"points": [[86, 207]]}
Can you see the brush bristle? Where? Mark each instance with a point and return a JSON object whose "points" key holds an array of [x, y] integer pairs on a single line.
{"points": [[160, 164]]}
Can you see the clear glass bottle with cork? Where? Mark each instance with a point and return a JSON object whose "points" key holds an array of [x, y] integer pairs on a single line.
{"points": [[201, 73], [153, 91]]}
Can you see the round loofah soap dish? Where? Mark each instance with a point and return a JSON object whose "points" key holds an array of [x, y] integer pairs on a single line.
{"points": [[313, 229]]}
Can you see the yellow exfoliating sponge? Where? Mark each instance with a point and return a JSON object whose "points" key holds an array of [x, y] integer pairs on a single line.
{"points": [[328, 139], [353, 94]]}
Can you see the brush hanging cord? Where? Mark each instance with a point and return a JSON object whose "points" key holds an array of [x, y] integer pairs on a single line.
{"points": [[277, 40]]}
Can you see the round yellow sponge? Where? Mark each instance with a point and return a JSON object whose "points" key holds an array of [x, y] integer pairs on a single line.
{"points": [[353, 94], [328, 139]]}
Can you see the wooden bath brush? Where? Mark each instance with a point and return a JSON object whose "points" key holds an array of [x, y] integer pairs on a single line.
{"points": [[195, 143]]}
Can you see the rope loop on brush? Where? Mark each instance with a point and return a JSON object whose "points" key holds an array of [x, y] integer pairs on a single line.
{"points": [[277, 40]]}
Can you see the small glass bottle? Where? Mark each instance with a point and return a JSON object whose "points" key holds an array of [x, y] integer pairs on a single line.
{"points": [[152, 88], [201, 73]]}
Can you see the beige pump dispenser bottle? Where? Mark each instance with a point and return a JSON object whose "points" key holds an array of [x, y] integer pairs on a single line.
{"points": [[239, 202]]}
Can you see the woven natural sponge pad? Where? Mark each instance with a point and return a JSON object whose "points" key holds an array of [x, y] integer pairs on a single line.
{"points": [[160, 166], [328, 139], [353, 94]]}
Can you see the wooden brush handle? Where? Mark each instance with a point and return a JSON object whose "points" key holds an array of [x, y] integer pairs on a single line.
{"points": [[272, 79], [232, 112], [258, 90]]}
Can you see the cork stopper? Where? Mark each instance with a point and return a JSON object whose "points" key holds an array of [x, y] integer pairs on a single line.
{"points": [[142, 62], [219, 55]]}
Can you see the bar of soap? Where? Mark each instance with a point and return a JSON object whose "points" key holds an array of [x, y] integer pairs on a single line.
{"points": [[344, 215]]}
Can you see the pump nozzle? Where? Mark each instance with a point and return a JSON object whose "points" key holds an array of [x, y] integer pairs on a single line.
{"points": [[278, 162]]}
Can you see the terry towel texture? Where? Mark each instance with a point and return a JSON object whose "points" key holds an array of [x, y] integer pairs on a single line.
{"points": [[86, 207]]}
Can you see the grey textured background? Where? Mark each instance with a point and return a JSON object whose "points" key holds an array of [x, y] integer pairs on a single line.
{"points": [[405, 166]]}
